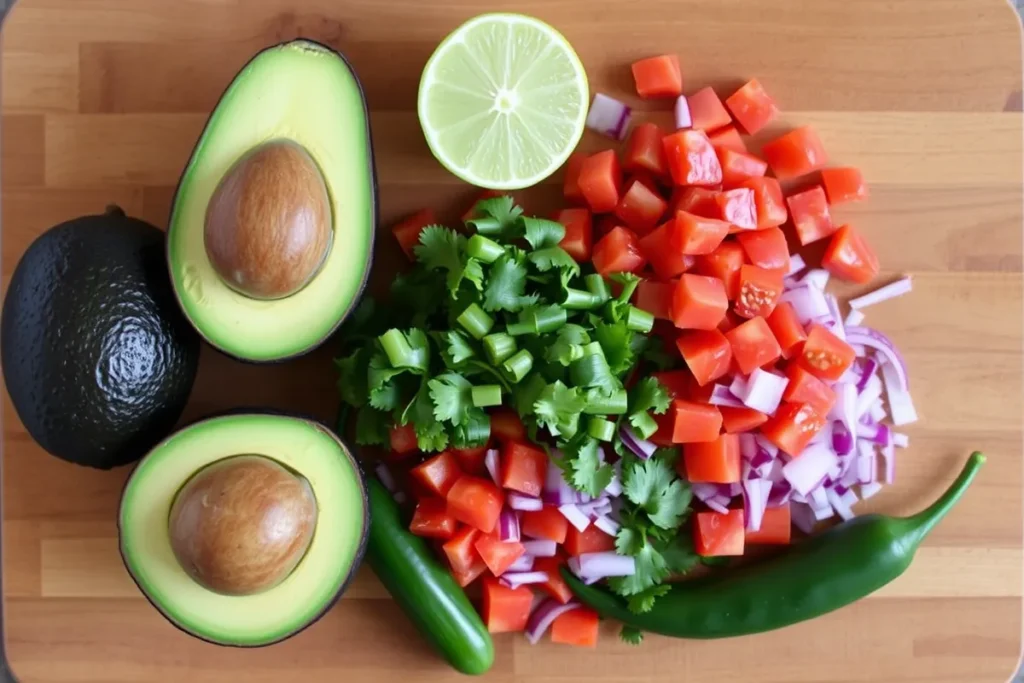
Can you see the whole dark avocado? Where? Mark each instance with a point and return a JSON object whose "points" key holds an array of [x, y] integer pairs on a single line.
{"points": [[97, 357]]}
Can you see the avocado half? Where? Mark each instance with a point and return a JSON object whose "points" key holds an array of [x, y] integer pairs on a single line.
{"points": [[305, 95], [315, 456]]}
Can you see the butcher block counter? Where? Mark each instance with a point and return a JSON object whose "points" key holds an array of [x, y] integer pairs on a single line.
{"points": [[104, 99]]}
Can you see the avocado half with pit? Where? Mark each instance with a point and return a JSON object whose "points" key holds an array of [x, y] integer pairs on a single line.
{"points": [[243, 529], [270, 238]]}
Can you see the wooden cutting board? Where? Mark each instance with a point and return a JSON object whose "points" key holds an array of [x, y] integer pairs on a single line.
{"points": [[103, 100]]}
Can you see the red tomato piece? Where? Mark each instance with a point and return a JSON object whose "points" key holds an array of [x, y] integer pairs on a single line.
{"points": [[483, 196], [506, 425], [497, 554], [850, 257], [699, 201], [766, 248], [407, 231], [738, 208], [787, 329], [845, 184], [578, 627], [438, 474], [403, 439], [694, 422], [600, 180], [579, 233], [644, 151], [547, 523], [661, 248], [471, 460], [676, 382], [476, 502], [771, 207], [461, 554], [759, 293], [640, 208], [776, 528], [825, 355], [590, 540], [696, 235], [723, 263], [655, 298], [571, 184], [707, 111], [752, 107], [739, 166], [796, 153], [504, 609], [712, 462], [691, 158], [658, 77], [471, 574], [719, 534], [523, 468], [699, 302], [804, 387], [753, 345], [707, 353], [555, 586], [431, 519], [700, 393], [811, 216], [728, 138], [738, 420], [793, 426], [618, 252]]}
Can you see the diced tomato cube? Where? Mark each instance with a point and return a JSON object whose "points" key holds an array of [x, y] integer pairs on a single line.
{"points": [[752, 107], [555, 586], [460, 551], [699, 302], [738, 208], [700, 393], [579, 233], [407, 231], [505, 610], [825, 355], [470, 574], [600, 180], [723, 263], [753, 345], [438, 474], [578, 627], [655, 298], [787, 329], [718, 534], [699, 201], [644, 151], [658, 77], [506, 425], [571, 184], [431, 519], [640, 208], [661, 249], [712, 462], [471, 460], [766, 248], [796, 153], [804, 387], [771, 207], [728, 138], [844, 184], [618, 252], [691, 158], [590, 540], [707, 111], [776, 528], [739, 166], [676, 382], [811, 216], [793, 426], [738, 420], [403, 439], [497, 554], [476, 502], [547, 523], [850, 257], [707, 353], [523, 468], [694, 422], [696, 235], [759, 291]]}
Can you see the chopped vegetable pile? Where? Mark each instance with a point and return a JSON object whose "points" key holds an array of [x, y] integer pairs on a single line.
{"points": [[651, 380]]}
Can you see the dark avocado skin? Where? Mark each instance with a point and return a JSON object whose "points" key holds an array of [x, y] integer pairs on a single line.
{"points": [[98, 359]]}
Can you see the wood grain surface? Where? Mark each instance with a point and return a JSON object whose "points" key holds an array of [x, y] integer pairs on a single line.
{"points": [[103, 100]]}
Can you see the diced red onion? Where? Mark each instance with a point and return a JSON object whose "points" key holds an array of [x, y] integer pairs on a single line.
{"points": [[817, 498], [755, 500], [763, 442], [508, 525], [854, 317], [900, 440], [808, 302], [605, 564], [838, 504], [876, 432], [764, 391], [521, 501], [517, 579], [556, 489], [851, 475], [682, 112], [385, 478], [540, 548], [816, 277], [822, 513], [807, 471], [868, 490], [599, 506], [780, 493], [614, 487], [775, 473], [881, 343], [641, 448], [803, 517], [607, 525], [491, 463], [889, 291], [900, 404], [721, 396], [796, 264], [889, 458], [824, 436], [523, 563], [842, 439], [608, 116], [877, 412], [718, 504], [845, 409], [575, 516], [738, 387], [837, 328], [704, 492], [868, 368], [867, 468], [872, 394], [545, 615]]}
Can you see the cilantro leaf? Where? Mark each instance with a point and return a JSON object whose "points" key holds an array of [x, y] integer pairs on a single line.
{"points": [[649, 394], [497, 218], [542, 233], [474, 430], [506, 285], [615, 340], [558, 408], [352, 381], [672, 503], [568, 345], [629, 282], [631, 635], [457, 346], [430, 434], [372, 427], [628, 541], [442, 248], [554, 257], [655, 488], [651, 569], [587, 472], [644, 600], [680, 555], [593, 371], [668, 455], [383, 392], [452, 397]]}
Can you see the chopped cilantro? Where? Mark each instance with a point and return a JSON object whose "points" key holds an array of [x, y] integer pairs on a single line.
{"points": [[631, 635]]}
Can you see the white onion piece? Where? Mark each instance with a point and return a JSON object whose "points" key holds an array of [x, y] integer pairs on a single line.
{"points": [[605, 564], [871, 395], [608, 116], [853, 318], [764, 391], [721, 396], [845, 408], [521, 501], [807, 472], [682, 112], [614, 487], [796, 264], [575, 516], [900, 440], [889, 458], [870, 337], [867, 468], [837, 327], [517, 579], [718, 504], [607, 525], [868, 490], [838, 504], [540, 548], [491, 463], [808, 303], [523, 563], [900, 403], [756, 499], [816, 277], [738, 388], [889, 291]]}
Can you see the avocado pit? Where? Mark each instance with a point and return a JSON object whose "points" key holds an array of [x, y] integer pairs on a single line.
{"points": [[240, 525], [268, 225]]}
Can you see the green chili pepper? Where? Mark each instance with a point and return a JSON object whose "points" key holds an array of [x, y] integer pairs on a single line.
{"points": [[814, 577]]}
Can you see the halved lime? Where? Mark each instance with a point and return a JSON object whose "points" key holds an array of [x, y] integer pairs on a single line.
{"points": [[503, 101]]}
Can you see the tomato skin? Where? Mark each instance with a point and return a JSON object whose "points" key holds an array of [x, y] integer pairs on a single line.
{"points": [[498, 555], [655, 298], [644, 151], [728, 137], [676, 382], [658, 77], [431, 519], [753, 345], [523, 468], [699, 302], [571, 185], [766, 248], [776, 527], [699, 201], [579, 233], [476, 502], [694, 422], [506, 425], [738, 208], [793, 426], [403, 439], [804, 387], [786, 327], [707, 353], [640, 208], [738, 166], [796, 153], [845, 184], [600, 180], [438, 474], [547, 523], [460, 551], [739, 420], [759, 291], [712, 462], [811, 216], [719, 534], [707, 111], [471, 460], [695, 235], [825, 355], [618, 252], [850, 257], [504, 609], [407, 231], [590, 540], [578, 627], [691, 158], [723, 263], [555, 586], [771, 207], [752, 107]]}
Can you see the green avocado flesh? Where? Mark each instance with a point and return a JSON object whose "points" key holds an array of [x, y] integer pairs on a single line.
{"points": [[334, 553], [305, 93]]}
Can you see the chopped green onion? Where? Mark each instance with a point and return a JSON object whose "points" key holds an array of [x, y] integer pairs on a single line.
{"points": [[592, 371], [484, 249], [485, 225], [474, 432], [593, 349], [400, 353], [639, 320], [518, 365], [519, 328], [597, 286], [643, 424], [579, 300], [486, 395], [600, 428], [599, 404], [547, 319], [476, 321], [499, 346], [629, 281]]}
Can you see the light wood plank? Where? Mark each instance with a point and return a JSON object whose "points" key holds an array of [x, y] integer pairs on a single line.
{"points": [[40, 80]]}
